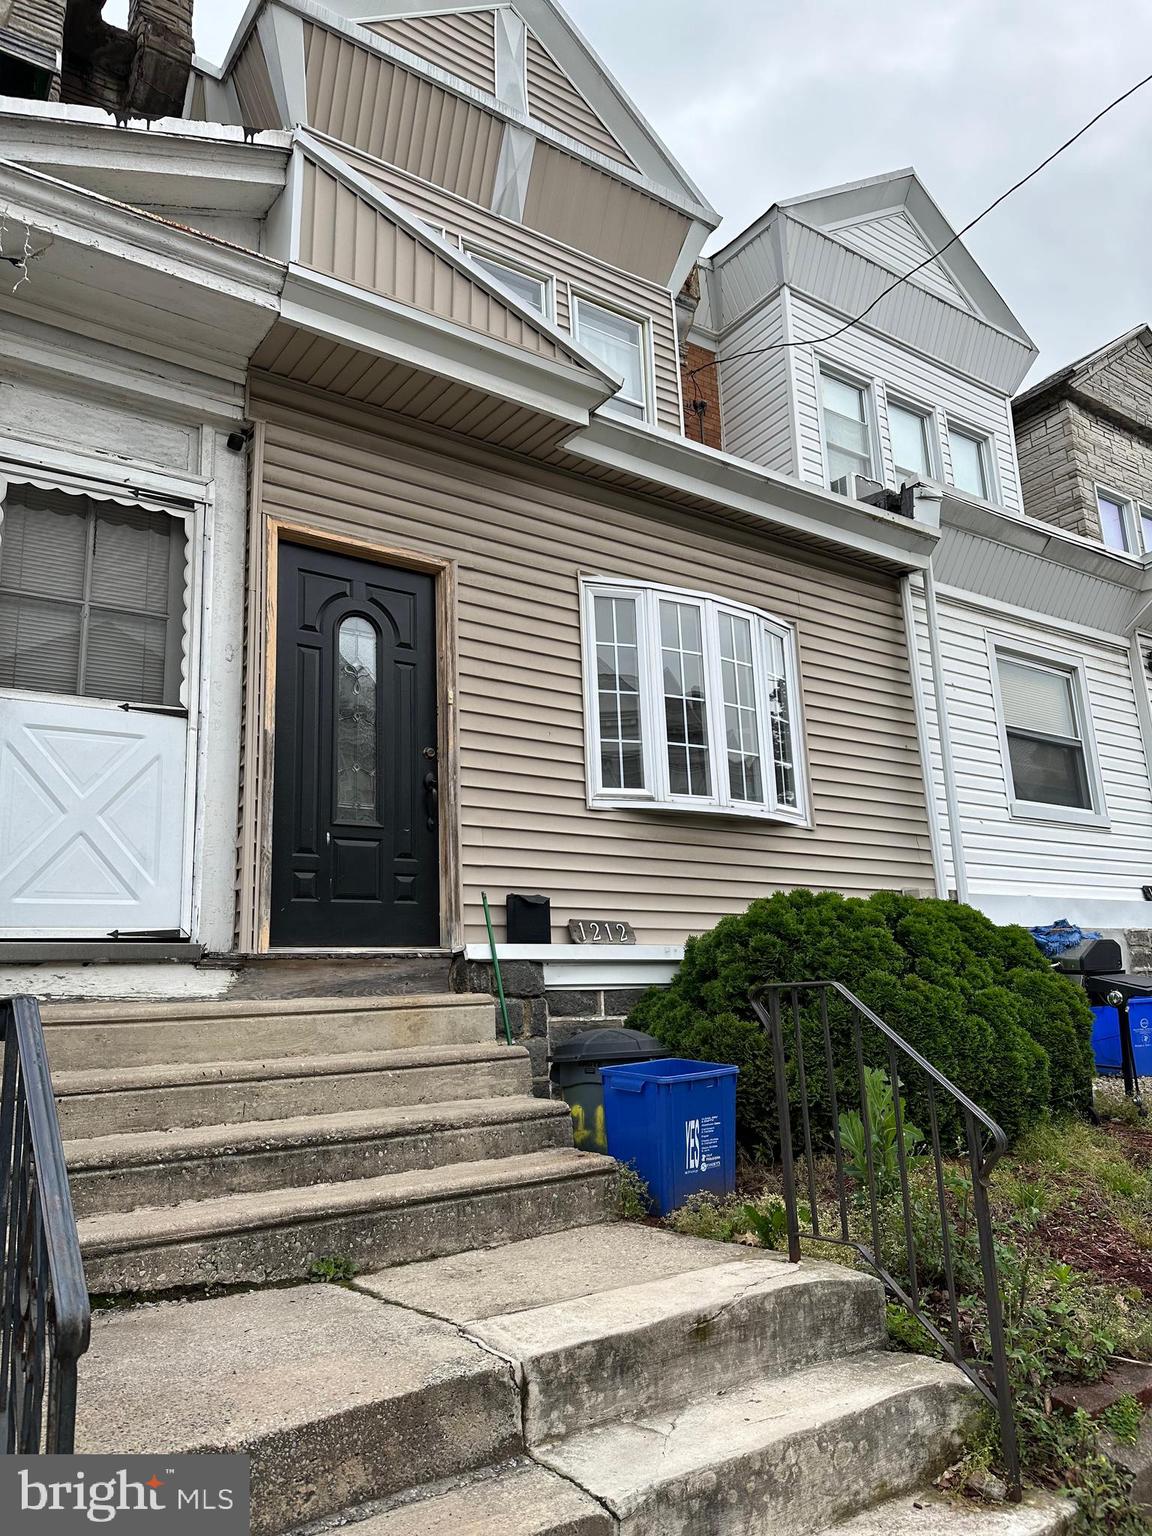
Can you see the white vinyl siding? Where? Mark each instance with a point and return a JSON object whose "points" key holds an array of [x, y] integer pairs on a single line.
{"points": [[1037, 861], [755, 404], [864, 355], [894, 241]]}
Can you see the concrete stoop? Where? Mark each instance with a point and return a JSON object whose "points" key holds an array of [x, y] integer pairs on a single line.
{"points": [[217, 1143], [599, 1380]]}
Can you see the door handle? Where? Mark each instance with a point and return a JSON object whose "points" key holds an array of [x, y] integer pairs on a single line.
{"points": [[431, 799]]}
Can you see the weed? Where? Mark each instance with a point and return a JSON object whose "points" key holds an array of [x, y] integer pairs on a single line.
{"points": [[706, 1216], [1123, 1419], [880, 1145], [633, 1197], [333, 1268]]}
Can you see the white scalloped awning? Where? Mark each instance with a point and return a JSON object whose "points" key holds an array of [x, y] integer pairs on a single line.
{"points": [[98, 490]]}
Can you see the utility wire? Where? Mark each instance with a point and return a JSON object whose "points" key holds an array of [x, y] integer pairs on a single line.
{"points": [[848, 324]]}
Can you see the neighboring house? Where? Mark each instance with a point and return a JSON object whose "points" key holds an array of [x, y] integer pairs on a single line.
{"points": [[1041, 791], [1084, 440], [504, 627]]}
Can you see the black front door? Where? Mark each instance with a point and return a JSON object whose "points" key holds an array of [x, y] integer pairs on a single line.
{"points": [[355, 843]]}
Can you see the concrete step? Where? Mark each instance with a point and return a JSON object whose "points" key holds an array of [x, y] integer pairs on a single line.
{"points": [[517, 1499], [162, 1168], [394, 1219], [337, 1399], [85, 1036], [646, 1344], [156, 1098], [934, 1514], [794, 1454]]}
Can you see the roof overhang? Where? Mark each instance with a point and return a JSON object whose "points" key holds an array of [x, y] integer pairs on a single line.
{"points": [[671, 468], [168, 163], [137, 275]]}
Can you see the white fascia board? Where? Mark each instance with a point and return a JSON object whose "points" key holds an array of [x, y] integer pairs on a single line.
{"points": [[423, 234], [87, 219], [160, 128], [235, 177], [1046, 540], [608, 953], [374, 324], [775, 500], [414, 64]]}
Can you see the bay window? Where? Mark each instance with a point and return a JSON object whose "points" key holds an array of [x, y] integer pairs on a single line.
{"points": [[691, 703]]}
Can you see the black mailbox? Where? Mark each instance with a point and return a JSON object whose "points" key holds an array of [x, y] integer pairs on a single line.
{"points": [[528, 918]]}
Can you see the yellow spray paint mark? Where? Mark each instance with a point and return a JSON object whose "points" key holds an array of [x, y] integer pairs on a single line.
{"points": [[597, 1136]]}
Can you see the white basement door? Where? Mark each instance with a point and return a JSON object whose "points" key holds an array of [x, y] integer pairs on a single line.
{"points": [[93, 734]]}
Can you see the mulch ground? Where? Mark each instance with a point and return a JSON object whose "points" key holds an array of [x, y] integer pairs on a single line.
{"points": [[1087, 1236]]}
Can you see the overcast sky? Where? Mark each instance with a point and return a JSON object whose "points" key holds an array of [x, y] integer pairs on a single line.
{"points": [[763, 99]]}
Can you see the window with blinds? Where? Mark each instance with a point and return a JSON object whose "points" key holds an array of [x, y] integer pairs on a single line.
{"points": [[1042, 721], [91, 597]]}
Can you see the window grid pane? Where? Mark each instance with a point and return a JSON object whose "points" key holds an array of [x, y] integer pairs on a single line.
{"points": [[741, 720], [108, 622], [911, 451], [781, 722], [685, 701], [1113, 523], [969, 467], [618, 693]]}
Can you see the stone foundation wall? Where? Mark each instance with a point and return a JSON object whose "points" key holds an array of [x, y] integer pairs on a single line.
{"points": [[540, 1017]]}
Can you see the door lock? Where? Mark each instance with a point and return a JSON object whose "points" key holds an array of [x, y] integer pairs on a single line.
{"points": [[430, 754]]}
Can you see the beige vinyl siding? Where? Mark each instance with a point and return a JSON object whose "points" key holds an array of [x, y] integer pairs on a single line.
{"points": [[894, 241], [345, 236], [461, 42], [548, 258], [365, 100], [521, 538], [254, 87], [593, 211], [554, 100]]}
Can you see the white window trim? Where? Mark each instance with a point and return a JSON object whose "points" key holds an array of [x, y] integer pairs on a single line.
{"points": [[1059, 661], [1132, 510], [928, 414], [576, 297], [657, 795], [987, 441], [833, 370], [471, 248]]}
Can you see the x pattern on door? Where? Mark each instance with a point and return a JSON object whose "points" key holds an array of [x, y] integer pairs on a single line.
{"points": [[91, 818]]}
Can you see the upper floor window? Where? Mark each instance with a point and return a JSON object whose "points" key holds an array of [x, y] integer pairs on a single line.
{"points": [[1125, 525], [1051, 768], [971, 462], [846, 410], [692, 703], [91, 597], [621, 342], [912, 434], [529, 289]]}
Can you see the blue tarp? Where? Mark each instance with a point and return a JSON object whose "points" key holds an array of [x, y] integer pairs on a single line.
{"points": [[1059, 936]]}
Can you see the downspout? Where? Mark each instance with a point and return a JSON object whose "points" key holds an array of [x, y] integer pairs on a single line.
{"points": [[947, 764], [920, 709]]}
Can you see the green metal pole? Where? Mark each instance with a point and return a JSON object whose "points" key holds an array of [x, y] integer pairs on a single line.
{"points": [[496, 968]]}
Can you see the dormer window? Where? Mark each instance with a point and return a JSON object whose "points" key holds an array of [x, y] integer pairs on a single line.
{"points": [[911, 433], [971, 463], [621, 342], [847, 428]]}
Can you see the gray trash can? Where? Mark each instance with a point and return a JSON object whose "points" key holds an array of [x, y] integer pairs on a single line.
{"points": [[576, 1074]]}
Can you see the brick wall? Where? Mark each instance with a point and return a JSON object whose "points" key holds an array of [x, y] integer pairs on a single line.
{"points": [[701, 426]]}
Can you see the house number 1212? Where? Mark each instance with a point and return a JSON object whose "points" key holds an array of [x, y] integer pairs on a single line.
{"points": [[600, 930]]}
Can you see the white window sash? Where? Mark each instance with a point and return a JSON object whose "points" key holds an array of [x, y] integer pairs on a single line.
{"points": [[657, 792], [580, 302]]}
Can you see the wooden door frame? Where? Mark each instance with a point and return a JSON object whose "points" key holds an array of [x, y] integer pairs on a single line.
{"points": [[261, 709]]}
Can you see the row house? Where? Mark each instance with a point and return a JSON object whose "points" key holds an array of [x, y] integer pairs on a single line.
{"points": [[1028, 670], [415, 515]]}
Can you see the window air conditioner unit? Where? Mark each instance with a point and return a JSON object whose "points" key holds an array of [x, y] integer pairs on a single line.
{"points": [[858, 486]]}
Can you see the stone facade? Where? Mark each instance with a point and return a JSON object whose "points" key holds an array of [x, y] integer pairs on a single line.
{"points": [[541, 1018], [1089, 427]]}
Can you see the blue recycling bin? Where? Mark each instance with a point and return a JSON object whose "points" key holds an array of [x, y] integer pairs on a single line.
{"points": [[675, 1122], [1140, 1021], [1106, 1038]]}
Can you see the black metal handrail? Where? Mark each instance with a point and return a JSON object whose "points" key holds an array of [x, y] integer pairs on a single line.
{"points": [[983, 1144], [44, 1315]]}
